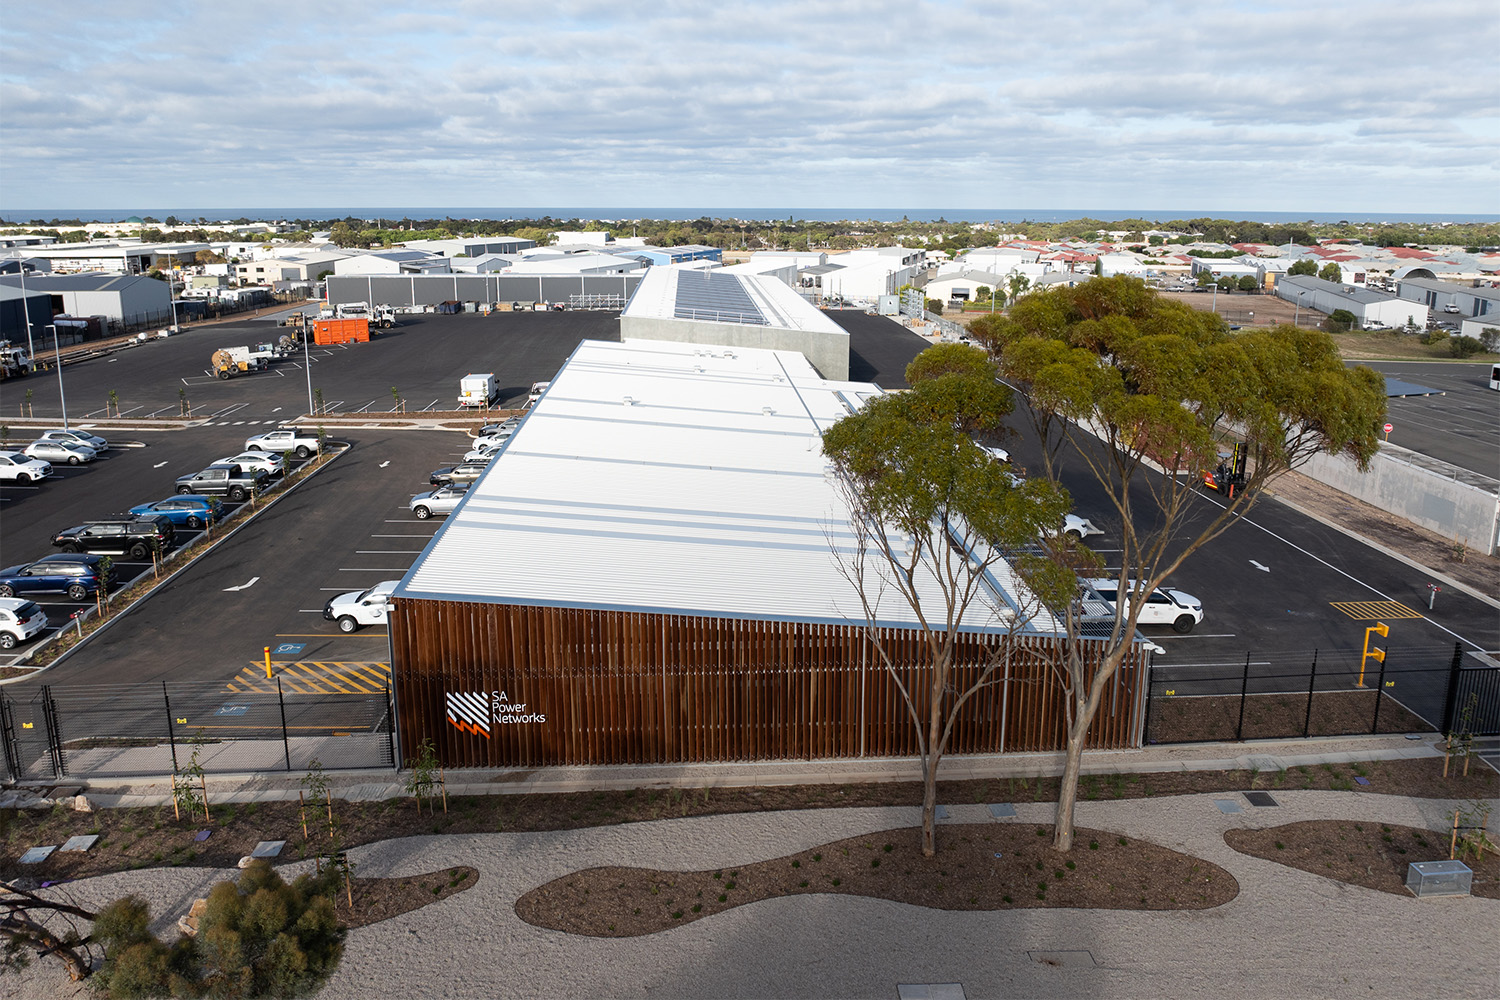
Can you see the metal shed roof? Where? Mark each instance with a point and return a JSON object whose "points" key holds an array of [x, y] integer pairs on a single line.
{"points": [[664, 478]]}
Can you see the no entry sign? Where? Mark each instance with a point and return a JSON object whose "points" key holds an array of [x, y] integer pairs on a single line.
{"points": [[1389, 427]]}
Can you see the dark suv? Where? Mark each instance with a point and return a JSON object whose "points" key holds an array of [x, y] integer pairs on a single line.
{"points": [[136, 537], [78, 576]]}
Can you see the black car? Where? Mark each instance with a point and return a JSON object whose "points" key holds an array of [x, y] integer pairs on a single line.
{"points": [[78, 576], [136, 537]]}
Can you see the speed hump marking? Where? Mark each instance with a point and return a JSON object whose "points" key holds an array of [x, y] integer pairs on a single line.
{"points": [[1371, 610]]}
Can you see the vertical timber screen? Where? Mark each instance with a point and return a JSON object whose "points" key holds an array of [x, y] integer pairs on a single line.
{"points": [[510, 686]]}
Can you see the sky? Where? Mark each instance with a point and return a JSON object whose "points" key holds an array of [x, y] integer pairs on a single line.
{"points": [[1370, 106]]}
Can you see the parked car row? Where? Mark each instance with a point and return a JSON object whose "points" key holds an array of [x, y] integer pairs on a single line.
{"points": [[55, 447], [84, 566], [451, 482]]}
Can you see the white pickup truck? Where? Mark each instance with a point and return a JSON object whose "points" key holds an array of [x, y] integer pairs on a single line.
{"points": [[284, 439]]}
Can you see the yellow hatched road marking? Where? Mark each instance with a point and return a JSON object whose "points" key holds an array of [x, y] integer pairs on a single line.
{"points": [[1371, 610], [313, 677]]}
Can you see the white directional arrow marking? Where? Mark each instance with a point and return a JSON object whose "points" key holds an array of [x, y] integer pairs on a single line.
{"points": [[1263, 569], [243, 586], [384, 464], [276, 410], [158, 465]]}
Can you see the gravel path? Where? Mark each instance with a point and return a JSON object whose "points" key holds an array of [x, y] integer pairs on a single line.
{"points": [[1288, 933]]}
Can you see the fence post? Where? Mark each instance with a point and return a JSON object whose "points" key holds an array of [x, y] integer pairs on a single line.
{"points": [[1450, 704], [1239, 727], [286, 746], [171, 738], [390, 714], [1312, 678], [1379, 694], [54, 733]]}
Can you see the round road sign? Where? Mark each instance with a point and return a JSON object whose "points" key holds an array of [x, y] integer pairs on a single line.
{"points": [[1389, 428]]}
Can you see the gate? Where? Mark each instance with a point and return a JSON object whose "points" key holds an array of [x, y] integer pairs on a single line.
{"points": [[29, 731]]}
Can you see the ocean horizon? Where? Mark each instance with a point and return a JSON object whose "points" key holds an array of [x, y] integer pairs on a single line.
{"points": [[14, 216]]}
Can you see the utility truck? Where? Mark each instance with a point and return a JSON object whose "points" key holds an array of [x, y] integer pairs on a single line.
{"points": [[228, 362], [477, 390], [13, 360]]}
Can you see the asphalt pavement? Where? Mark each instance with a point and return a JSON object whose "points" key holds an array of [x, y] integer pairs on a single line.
{"points": [[1460, 427]]}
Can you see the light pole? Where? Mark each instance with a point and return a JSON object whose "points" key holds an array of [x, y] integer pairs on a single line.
{"points": [[57, 354], [1298, 311], [26, 311], [172, 293], [307, 363]]}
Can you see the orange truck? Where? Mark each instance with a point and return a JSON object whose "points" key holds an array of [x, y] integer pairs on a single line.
{"points": [[341, 331]]}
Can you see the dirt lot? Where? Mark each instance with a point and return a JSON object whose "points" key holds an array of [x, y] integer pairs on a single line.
{"points": [[1236, 308]]}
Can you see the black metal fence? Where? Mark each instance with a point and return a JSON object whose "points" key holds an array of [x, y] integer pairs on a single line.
{"points": [[1299, 694], [54, 732]]}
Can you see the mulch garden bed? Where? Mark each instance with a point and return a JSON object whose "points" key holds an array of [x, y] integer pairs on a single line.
{"points": [[977, 867], [377, 899], [1374, 855], [1207, 718], [149, 837]]}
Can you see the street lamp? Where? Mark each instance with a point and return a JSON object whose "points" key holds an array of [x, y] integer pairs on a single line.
{"points": [[26, 311], [57, 354], [1298, 311]]}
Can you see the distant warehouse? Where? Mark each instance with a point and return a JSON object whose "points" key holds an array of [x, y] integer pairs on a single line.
{"points": [[1370, 308], [644, 575], [579, 291]]}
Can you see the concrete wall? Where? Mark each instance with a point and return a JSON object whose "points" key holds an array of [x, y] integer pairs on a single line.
{"points": [[1440, 503], [828, 352]]}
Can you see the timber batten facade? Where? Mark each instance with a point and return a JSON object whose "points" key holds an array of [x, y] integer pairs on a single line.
{"points": [[507, 685]]}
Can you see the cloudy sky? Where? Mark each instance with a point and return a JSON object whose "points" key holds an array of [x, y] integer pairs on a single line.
{"points": [[1310, 105]]}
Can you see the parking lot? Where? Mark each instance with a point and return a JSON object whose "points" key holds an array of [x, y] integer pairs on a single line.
{"points": [[1275, 582], [1461, 427]]}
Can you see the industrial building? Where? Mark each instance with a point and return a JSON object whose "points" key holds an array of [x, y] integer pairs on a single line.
{"points": [[471, 246], [734, 310], [127, 300], [116, 257], [1467, 301], [645, 574], [1370, 308], [484, 291]]}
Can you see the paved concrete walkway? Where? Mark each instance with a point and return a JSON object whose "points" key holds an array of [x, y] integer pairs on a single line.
{"points": [[1264, 755], [1287, 934]]}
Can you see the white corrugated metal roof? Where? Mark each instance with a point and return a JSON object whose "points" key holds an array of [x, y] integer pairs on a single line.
{"points": [[705, 493]]}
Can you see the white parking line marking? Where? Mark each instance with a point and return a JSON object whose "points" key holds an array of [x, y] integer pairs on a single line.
{"points": [[1349, 576], [310, 611], [430, 406]]}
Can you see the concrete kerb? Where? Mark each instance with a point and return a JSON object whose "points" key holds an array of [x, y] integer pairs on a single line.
{"points": [[178, 571], [363, 785]]}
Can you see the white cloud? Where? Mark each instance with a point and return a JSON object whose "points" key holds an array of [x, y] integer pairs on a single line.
{"points": [[1263, 106]]}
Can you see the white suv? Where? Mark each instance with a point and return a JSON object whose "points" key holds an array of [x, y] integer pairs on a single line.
{"points": [[361, 607], [1162, 606], [19, 468], [20, 619]]}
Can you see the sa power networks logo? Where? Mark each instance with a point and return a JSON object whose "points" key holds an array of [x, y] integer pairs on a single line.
{"points": [[475, 711]]}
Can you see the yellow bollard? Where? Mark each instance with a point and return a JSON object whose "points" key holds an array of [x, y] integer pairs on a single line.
{"points": [[1377, 654], [268, 662]]}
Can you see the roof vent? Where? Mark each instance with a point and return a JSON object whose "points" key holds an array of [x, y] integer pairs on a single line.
{"points": [[630, 401], [768, 411]]}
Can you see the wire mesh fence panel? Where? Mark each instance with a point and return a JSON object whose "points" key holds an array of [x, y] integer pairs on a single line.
{"points": [[1296, 694], [116, 730]]}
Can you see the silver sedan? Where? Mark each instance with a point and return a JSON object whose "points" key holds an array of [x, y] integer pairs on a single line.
{"points": [[60, 452]]}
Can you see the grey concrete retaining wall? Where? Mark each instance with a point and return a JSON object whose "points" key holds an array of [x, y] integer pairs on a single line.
{"points": [[1429, 497]]}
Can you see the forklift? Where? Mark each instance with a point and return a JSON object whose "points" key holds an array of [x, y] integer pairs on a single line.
{"points": [[1228, 477]]}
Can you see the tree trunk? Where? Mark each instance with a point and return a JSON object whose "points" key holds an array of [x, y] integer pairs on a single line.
{"points": [[1067, 792], [929, 779]]}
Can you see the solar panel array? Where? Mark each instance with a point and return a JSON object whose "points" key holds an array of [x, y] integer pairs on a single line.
{"points": [[719, 298]]}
